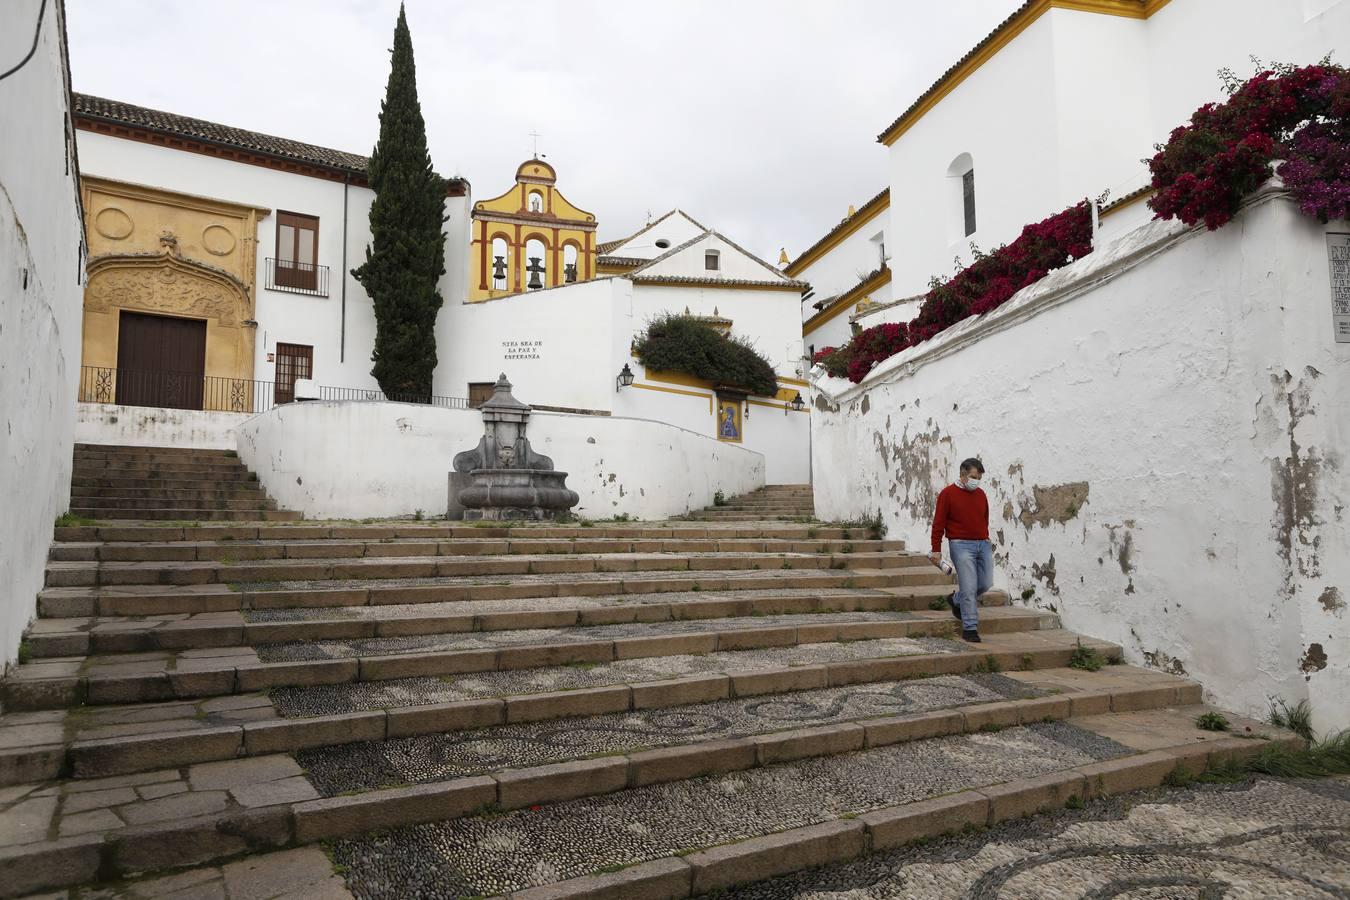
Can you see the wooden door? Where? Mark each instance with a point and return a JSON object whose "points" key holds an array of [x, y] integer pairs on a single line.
{"points": [[161, 361], [293, 361], [480, 392]]}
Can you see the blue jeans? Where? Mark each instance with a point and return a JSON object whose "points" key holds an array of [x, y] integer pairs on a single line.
{"points": [[974, 562]]}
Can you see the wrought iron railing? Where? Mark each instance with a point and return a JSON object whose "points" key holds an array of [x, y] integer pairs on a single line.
{"points": [[297, 277], [186, 390]]}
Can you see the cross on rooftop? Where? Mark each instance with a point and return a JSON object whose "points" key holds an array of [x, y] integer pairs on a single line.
{"points": [[536, 135]]}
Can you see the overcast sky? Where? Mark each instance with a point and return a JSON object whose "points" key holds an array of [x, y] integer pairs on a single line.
{"points": [[758, 117]]}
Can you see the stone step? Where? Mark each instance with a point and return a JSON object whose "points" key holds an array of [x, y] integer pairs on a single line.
{"points": [[117, 481], [153, 457], [160, 600], [779, 801], [117, 738], [178, 473], [137, 448], [742, 517], [185, 514], [78, 636], [134, 678], [183, 551], [247, 491], [915, 569], [119, 502], [404, 529]]}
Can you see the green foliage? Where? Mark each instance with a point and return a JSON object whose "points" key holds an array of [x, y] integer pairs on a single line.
{"points": [[1074, 802], [1212, 721], [683, 343], [1297, 719], [66, 520], [406, 256], [719, 499], [989, 664], [1318, 760], [1086, 658], [938, 603], [25, 652]]}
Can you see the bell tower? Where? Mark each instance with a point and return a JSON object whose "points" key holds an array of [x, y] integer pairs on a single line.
{"points": [[529, 238]]}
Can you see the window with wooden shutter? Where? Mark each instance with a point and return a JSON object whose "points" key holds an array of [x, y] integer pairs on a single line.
{"points": [[293, 361], [297, 251]]}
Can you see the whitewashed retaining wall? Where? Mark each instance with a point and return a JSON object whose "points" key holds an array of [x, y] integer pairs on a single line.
{"points": [[40, 296], [1165, 430], [362, 460], [152, 426]]}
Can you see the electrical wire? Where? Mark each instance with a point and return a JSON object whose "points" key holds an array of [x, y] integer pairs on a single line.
{"points": [[37, 36]]}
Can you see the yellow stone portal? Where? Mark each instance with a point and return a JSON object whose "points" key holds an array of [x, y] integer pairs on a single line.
{"points": [[529, 238]]}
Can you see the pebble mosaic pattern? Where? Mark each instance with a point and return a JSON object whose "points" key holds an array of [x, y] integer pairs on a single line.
{"points": [[437, 757], [490, 854], [1271, 839], [329, 699], [340, 649], [541, 604]]}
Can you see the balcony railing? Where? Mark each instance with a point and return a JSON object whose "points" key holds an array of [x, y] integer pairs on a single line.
{"points": [[297, 277], [185, 390]]}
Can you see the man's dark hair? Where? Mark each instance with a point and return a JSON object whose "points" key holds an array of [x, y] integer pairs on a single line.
{"points": [[972, 463]]}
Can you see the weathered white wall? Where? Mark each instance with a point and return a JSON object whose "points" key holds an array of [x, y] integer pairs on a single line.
{"points": [[1163, 426], [732, 263], [362, 460], [41, 264], [340, 359], [673, 230], [151, 426], [847, 263]]}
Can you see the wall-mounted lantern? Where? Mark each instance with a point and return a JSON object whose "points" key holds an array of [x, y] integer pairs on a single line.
{"points": [[625, 378], [797, 404]]}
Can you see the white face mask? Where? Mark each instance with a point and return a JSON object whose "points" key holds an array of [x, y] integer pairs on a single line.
{"points": [[972, 483]]}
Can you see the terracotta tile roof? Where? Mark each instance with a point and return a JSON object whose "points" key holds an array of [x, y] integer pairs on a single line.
{"points": [[863, 212], [620, 261], [89, 106], [718, 282]]}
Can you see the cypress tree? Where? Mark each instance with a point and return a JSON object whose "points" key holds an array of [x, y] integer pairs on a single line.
{"points": [[406, 255]]}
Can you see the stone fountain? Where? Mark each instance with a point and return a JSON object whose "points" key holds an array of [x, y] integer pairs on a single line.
{"points": [[503, 478]]}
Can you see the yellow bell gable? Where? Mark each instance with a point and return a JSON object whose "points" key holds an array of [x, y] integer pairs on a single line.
{"points": [[529, 238]]}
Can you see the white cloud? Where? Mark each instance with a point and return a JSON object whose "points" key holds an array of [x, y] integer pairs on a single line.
{"points": [[759, 118]]}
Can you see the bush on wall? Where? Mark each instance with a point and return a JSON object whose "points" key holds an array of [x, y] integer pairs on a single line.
{"points": [[1298, 114], [684, 343]]}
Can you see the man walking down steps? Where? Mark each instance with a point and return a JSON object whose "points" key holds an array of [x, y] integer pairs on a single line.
{"points": [[963, 516]]}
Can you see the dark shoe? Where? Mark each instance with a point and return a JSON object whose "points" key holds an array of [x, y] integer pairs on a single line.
{"points": [[956, 610], [970, 635]]}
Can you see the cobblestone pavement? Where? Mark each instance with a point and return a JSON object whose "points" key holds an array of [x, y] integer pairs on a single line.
{"points": [[435, 757], [488, 854], [1264, 839], [538, 604], [299, 702], [476, 640]]}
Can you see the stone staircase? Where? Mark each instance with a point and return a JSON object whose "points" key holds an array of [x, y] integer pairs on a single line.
{"points": [[771, 502], [115, 482], [651, 710]]}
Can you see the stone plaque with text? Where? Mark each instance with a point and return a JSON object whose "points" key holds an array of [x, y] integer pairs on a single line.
{"points": [[1338, 255]]}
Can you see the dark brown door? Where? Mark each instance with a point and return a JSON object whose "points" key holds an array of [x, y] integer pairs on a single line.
{"points": [[293, 361], [161, 361], [297, 251]]}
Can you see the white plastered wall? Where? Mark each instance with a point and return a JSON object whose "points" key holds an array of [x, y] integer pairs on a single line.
{"points": [[360, 460], [1163, 428], [153, 426], [41, 262]]}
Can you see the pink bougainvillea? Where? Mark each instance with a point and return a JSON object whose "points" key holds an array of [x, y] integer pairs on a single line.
{"points": [[980, 287], [1224, 153]]}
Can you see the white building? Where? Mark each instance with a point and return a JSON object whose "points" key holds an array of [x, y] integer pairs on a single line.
{"points": [[265, 230], [1060, 103], [41, 276]]}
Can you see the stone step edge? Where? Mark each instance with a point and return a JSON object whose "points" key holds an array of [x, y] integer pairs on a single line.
{"points": [[411, 529], [839, 840], [23, 693], [190, 635], [109, 601], [346, 548], [101, 757], [80, 573], [136, 849]]}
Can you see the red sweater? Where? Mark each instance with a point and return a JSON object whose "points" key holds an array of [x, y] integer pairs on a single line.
{"points": [[961, 515]]}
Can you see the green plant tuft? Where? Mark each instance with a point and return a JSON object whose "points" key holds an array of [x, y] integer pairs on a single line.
{"points": [[938, 603], [1086, 658], [25, 652], [66, 520], [719, 499], [1297, 718], [1212, 721]]}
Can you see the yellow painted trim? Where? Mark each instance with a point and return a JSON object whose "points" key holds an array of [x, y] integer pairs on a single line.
{"points": [[834, 240], [796, 381], [841, 305], [777, 406], [666, 390], [657, 280], [1112, 210], [1128, 9]]}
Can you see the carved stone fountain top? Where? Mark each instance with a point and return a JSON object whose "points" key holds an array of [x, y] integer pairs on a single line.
{"points": [[504, 444]]}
